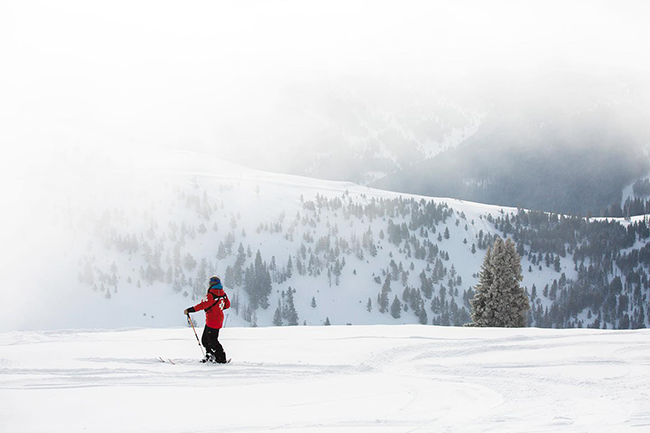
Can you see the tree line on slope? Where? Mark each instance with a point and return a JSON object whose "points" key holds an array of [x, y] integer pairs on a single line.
{"points": [[610, 261], [414, 229]]}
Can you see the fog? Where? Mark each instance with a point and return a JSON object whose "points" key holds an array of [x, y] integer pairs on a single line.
{"points": [[227, 76], [267, 83]]}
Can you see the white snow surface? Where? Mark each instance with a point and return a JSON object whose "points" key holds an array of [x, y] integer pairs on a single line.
{"points": [[408, 378]]}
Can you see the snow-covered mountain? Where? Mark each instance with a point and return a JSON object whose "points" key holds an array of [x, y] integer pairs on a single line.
{"points": [[358, 130], [132, 238], [579, 162], [369, 135]]}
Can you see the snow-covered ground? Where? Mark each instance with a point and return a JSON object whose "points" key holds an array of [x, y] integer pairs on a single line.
{"points": [[327, 379]]}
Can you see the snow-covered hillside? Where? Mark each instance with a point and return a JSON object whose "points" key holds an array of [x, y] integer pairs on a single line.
{"points": [[131, 216], [327, 379], [130, 240], [351, 129], [364, 137]]}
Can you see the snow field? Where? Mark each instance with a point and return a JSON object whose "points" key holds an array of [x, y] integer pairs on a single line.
{"points": [[327, 379]]}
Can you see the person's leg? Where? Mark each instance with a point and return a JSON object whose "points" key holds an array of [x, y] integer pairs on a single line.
{"points": [[208, 340], [220, 354]]}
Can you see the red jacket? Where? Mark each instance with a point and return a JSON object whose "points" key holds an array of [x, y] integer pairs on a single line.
{"points": [[214, 303]]}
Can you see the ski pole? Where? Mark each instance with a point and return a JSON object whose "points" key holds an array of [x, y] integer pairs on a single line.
{"points": [[197, 337]]}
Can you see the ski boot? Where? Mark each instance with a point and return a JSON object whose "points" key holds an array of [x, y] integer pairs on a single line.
{"points": [[209, 357]]}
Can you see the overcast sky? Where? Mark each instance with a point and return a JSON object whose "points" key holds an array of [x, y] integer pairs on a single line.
{"points": [[215, 73]]}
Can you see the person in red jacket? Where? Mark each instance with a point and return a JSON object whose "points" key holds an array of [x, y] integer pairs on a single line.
{"points": [[214, 303]]}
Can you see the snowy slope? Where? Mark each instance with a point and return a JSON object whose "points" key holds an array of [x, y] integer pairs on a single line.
{"points": [[175, 204], [133, 195], [327, 379]]}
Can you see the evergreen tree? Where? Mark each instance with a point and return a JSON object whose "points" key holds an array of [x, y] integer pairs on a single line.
{"points": [[422, 316], [499, 300], [189, 262], [264, 278], [556, 264], [221, 251], [238, 267], [396, 308], [383, 301], [289, 268], [426, 287], [406, 295], [257, 283], [201, 274], [553, 293], [292, 314], [235, 303], [283, 305], [327, 321], [386, 286], [277, 317], [229, 279]]}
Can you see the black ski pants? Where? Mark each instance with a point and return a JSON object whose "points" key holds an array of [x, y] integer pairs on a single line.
{"points": [[210, 341]]}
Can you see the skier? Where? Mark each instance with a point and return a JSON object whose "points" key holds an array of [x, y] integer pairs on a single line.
{"points": [[214, 303]]}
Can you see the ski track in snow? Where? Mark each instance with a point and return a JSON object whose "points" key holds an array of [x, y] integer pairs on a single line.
{"points": [[328, 379]]}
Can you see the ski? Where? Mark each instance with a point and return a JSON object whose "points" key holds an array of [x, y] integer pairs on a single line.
{"points": [[167, 361]]}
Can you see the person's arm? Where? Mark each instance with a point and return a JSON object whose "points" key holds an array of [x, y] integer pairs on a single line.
{"points": [[226, 305], [209, 300]]}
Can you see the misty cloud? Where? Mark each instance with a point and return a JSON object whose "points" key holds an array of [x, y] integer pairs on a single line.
{"points": [[218, 75]]}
